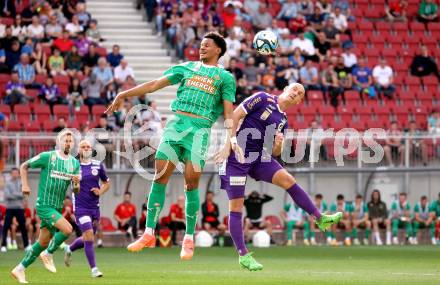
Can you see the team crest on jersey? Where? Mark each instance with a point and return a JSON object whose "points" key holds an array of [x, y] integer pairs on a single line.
{"points": [[53, 157], [265, 114], [94, 171]]}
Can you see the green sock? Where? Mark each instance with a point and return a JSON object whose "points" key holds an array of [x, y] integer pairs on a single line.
{"points": [[367, 233], [191, 210], [354, 233], [408, 229], [306, 230], [56, 241], [156, 199], [312, 234], [415, 229], [432, 229], [290, 226], [32, 254], [395, 227]]}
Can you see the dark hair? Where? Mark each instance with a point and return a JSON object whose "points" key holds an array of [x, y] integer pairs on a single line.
{"points": [[219, 41], [14, 168], [209, 192], [128, 193], [340, 197], [424, 197], [402, 194], [318, 196], [394, 122], [358, 196], [375, 191]]}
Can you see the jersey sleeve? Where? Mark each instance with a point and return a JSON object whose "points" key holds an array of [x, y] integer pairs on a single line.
{"points": [[432, 207], [77, 169], [416, 208], [39, 161], [175, 73], [394, 206], [324, 206], [253, 103], [366, 210], [103, 173], [408, 207], [333, 208], [228, 87]]}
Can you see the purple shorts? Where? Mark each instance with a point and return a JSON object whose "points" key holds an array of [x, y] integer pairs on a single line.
{"points": [[87, 219], [234, 181]]}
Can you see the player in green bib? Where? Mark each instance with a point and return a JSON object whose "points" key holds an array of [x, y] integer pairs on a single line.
{"points": [[360, 220], [401, 218], [322, 207], [423, 218], [59, 170], [345, 224], [295, 218], [434, 207], [205, 92]]}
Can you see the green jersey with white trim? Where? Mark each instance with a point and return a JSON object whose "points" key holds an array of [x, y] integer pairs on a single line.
{"points": [[202, 88], [344, 207], [55, 177], [399, 210], [423, 212]]}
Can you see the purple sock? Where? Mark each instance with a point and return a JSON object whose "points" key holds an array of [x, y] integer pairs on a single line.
{"points": [[77, 244], [90, 253], [302, 199], [236, 230]]}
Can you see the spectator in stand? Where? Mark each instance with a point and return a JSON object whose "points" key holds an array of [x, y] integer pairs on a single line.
{"points": [[63, 43], [50, 93], [394, 145], [13, 55], [306, 47], [383, 79], [56, 63], [29, 12], [378, 215], [331, 33], [3, 66], [254, 209], [417, 145], [39, 58], [53, 29], [320, 150], [289, 10], [74, 96], [229, 15], [213, 18], [190, 15], [276, 29], [396, 10], [251, 74], [234, 69], [15, 91], [244, 90], [92, 88], [350, 59], [322, 46], [69, 8], [233, 45], [263, 19], [83, 44], [268, 78], [316, 19], [330, 86], [103, 72], [26, 72], [74, 27], [363, 80], [305, 8], [90, 60], [19, 30], [184, 38], [238, 29], [163, 11], [285, 42], [297, 59], [344, 5], [424, 65], [308, 76], [285, 74], [298, 25], [44, 12], [83, 16], [434, 122], [324, 6], [8, 8], [125, 216], [128, 84], [115, 57], [122, 71], [74, 62], [428, 11], [28, 47], [110, 93], [210, 214], [340, 21], [150, 6], [344, 76], [93, 34], [172, 23], [35, 30], [61, 125], [177, 219], [8, 39], [251, 7]]}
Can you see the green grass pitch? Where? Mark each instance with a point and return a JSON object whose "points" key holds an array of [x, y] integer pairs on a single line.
{"points": [[282, 265]]}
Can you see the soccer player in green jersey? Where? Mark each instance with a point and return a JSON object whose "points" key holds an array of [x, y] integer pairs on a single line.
{"points": [[401, 218], [295, 218], [322, 206], [205, 91], [423, 218], [59, 170], [360, 220], [435, 212], [345, 223]]}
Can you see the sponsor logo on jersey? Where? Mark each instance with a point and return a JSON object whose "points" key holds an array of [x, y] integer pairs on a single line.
{"points": [[237, 180], [53, 157], [251, 104], [94, 171], [60, 175], [203, 83], [265, 114], [282, 124]]}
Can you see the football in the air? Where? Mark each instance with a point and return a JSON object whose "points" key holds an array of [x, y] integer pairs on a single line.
{"points": [[265, 42]]}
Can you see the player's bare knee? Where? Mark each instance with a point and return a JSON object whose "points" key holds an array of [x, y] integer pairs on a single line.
{"points": [[88, 235]]}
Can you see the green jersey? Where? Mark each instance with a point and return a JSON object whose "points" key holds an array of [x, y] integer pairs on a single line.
{"points": [[422, 211], [435, 207], [345, 207], [359, 211], [323, 207], [202, 88], [55, 177], [398, 210]]}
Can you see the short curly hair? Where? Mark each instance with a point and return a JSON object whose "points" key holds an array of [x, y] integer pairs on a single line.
{"points": [[219, 41]]}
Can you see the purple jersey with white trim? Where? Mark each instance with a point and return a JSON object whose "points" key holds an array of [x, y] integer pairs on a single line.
{"points": [[91, 174], [262, 110]]}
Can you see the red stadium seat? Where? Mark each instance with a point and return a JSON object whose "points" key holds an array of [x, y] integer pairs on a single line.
{"points": [[5, 109], [417, 27], [49, 125], [365, 26], [107, 225], [413, 80], [400, 27], [383, 26], [43, 144], [326, 112], [61, 79], [374, 12], [382, 112], [15, 126], [346, 113], [309, 113], [352, 95], [360, 39], [42, 113], [32, 127], [82, 115], [98, 111], [101, 51], [7, 21], [191, 53], [22, 113], [275, 222], [61, 111], [430, 80], [420, 113], [40, 78], [315, 97]]}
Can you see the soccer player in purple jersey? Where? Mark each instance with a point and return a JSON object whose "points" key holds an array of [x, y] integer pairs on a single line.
{"points": [[262, 117], [86, 205]]}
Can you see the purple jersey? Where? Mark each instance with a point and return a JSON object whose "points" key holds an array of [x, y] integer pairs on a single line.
{"points": [[91, 173], [264, 115]]}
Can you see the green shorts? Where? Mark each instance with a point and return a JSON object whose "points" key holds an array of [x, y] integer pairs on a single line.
{"points": [[185, 139], [49, 216]]}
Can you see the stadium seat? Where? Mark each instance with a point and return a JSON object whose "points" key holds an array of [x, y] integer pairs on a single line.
{"points": [[326, 112], [61, 111], [416, 27], [101, 51], [420, 113], [315, 97], [400, 28], [383, 26], [346, 113], [61, 79], [82, 115], [191, 53], [49, 125], [22, 113], [40, 78], [274, 221], [98, 111], [382, 112], [434, 28], [430, 80], [42, 113], [32, 127], [25, 149], [5, 109], [412, 80], [41, 145], [15, 126], [107, 225], [309, 113], [365, 26]]}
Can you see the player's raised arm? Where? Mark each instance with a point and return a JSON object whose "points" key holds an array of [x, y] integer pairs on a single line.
{"points": [[140, 90]]}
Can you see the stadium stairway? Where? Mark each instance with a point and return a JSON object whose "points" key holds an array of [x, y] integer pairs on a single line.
{"points": [[120, 23]]}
